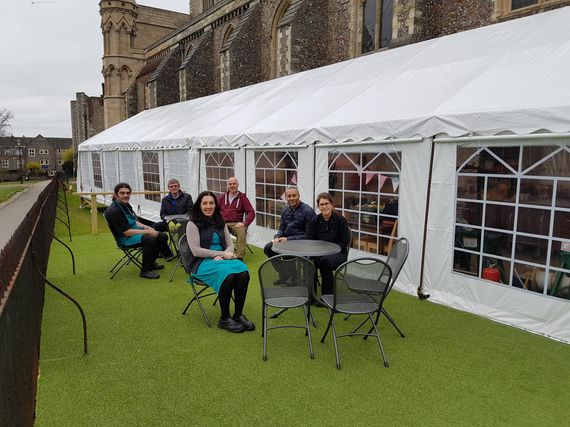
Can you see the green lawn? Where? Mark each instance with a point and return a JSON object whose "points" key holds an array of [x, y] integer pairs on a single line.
{"points": [[7, 190], [149, 365]]}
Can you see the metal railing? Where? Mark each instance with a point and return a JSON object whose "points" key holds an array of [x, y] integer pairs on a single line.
{"points": [[23, 264]]}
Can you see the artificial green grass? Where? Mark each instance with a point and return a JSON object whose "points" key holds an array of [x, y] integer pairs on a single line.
{"points": [[149, 365]]}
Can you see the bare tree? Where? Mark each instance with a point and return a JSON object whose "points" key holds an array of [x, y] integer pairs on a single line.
{"points": [[5, 117]]}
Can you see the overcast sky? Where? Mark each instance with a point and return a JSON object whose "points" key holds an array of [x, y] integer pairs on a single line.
{"points": [[49, 51]]}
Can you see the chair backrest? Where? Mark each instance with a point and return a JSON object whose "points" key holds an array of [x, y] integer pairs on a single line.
{"points": [[117, 241], [370, 276], [176, 229], [300, 272], [184, 252], [397, 257]]}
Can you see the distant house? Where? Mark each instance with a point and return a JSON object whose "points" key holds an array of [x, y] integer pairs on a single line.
{"points": [[17, 152]]}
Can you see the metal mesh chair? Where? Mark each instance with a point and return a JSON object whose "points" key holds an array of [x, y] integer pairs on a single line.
{"points": [[131, 254], [396, 259], [176, 229], [360, 288], [296, 293], [199, 288]]}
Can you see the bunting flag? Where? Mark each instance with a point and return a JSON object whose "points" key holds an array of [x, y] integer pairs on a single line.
{"points": [[395, 183], [283, 197], [383, 179], [368, 177], [294, 179]]}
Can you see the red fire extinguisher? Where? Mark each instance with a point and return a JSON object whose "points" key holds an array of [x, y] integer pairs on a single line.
{"points": [[491, 273]]}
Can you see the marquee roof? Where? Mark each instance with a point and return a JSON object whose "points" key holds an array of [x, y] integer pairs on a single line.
{"points": [[510, 77]]}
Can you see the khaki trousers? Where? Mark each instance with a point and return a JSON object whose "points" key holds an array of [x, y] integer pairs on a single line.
{"points": [[240, 233]]}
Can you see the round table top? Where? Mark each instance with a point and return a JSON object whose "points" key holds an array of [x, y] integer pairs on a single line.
{"points": [[177, 217], [306, 248]]}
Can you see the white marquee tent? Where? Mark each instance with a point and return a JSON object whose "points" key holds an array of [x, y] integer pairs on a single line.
{"points": [[434, 104]]}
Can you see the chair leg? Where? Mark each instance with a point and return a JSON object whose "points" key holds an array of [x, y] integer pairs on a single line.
{"points": [[202, 310], [308, 314], [178, 264], [196, 298], [378, 313], [328, 326], [264, 333], [391, 321], [359, 326], [337, 355], [379, 340]]}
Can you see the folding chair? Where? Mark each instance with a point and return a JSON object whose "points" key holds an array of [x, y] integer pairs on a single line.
{"points": [[296, 294], [176, 229], [131, 254], [185, 253], [360, 288], [396, 259]]}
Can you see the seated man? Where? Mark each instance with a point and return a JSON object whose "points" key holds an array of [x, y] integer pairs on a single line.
{"points": [[237, 212], [124, 223], [174, 203], [295, 221]]}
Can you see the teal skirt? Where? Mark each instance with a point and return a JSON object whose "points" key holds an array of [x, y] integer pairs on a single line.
{"points": [[215, 272]]}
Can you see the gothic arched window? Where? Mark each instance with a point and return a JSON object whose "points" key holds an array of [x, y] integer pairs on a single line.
{"points": [[375, 19], [281, 42], [225, 60]]}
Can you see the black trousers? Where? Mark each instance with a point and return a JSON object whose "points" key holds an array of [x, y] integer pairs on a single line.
{"points": [[151, 247], [327, 265], [236, 283], [284, 274]]}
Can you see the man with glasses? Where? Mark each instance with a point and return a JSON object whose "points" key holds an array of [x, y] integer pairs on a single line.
{"points": [[131, 232], [176, 202]]}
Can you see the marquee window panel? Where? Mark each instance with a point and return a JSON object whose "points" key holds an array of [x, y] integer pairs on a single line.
{"points": [[220, 167], [513, 214], [275, 171], [151, 174], [97, 170], [365, 188]]}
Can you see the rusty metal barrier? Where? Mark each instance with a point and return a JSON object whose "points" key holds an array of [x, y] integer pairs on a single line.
{"points": [[21, 303]]}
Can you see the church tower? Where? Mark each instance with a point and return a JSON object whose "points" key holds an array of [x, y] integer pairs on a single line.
{"points": [[121, 59]]}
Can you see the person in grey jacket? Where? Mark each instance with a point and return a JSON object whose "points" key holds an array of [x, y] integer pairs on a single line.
{"points": [[176, 202], [295, 221]]}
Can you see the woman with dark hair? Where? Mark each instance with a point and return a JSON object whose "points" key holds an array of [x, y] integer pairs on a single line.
{"points": [[331, 227], [214, 262]]}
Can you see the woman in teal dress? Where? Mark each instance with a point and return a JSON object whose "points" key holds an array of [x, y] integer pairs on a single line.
{"points": [[213, 261]]}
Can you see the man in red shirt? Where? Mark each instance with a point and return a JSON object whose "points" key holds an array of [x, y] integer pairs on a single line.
{"points": [[237, 212]]}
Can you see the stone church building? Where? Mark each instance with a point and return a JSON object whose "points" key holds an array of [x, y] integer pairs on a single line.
{"points": [[153, 57]]}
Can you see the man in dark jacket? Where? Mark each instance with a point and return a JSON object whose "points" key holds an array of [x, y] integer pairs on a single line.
{"points": [[237, 212], [130, 232], [174, 203], [295, 221]]}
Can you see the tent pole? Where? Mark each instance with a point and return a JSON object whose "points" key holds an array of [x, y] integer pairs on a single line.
{"points": [[421, 294]]}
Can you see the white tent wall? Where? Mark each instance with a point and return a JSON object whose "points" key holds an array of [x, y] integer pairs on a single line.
{"points": [[412, 196], [516, 307], [85, 174], [183, 166], [130, 173], [150, 209], [257, 235], [110, 161]]}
